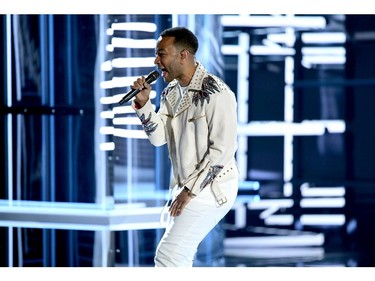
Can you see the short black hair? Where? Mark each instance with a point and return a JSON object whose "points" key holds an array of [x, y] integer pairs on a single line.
{"points": [[184, 38]]}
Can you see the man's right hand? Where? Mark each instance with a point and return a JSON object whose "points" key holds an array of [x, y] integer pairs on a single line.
{"points": [[144, 95]]}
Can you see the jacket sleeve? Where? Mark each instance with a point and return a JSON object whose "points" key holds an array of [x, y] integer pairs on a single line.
{"points": [[152, 123], [221, 116]]}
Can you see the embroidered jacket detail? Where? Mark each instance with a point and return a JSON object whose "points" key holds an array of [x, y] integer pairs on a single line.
{"points": [[209, 87], [148, 126], [211, 175], [165, 92]]}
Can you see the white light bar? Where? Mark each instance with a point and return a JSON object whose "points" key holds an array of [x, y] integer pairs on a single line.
{"points": [[307, 61], [323, 37], [275, 241], [322, 219], [107, 146], [274, 50], [266, 203], [119, 82], [333, 51], [109, 114], [308, 191], [305, 128], [231, 49], [123, 109], [276, 252], [135, 26], [131, 134], [126, 121], [133, 62], [133, 43], [106, 66], [109, 48], [314, 22], [279, 220], [108, 130], [322, 203]]}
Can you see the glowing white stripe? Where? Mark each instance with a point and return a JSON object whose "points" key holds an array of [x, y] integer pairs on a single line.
{"points": [[322, 219], [274, 21], [109, 31], [126, 121], [123, 109], [289, 76], [243, 96], [135, 26], [288, 117], [266, 203], [288, 158], [109, 114], [106, 130], [109, 48], [133, 43], [310, 60], [305, 128], [274, 241], [108, 146], [276, 252], [332, 51], [230, 49], [288, 189], [308, 191], [270, 206], [323, 203], [279, 220], [119, 82], [106, 66], [268, 51], [133, 62], [323, 37], [132, 134]]}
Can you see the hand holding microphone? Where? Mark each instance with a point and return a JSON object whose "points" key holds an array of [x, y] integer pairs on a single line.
{"points": [[151, 77]]}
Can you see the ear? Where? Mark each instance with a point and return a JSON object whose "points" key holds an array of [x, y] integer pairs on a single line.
{"points": [[184, 54]]}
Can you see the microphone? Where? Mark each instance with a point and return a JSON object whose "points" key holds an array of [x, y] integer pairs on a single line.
{"points": [[151, 77]]}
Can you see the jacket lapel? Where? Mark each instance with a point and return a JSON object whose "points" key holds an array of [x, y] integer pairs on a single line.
{"points": [[187, 100], [184, 103]]}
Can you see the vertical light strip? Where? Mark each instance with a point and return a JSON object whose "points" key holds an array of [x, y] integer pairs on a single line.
{"points": [[174, 20], [9, 104], [9, 132], [191, 22], [52, 141], [288, 114], [17, 56], [243, 100], [100, 155], [19, 135]]}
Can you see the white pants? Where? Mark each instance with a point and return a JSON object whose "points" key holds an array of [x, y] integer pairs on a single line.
{"points": [[183, 234]]}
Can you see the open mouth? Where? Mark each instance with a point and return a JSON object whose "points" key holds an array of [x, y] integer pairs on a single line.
{"points": [[163, 72]]}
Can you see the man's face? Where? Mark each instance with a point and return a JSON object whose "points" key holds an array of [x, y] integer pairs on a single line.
{"points": [[168, 59]]}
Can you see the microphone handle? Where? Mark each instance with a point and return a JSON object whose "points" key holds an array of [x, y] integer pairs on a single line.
{"points": [[150, 78], [129, 95]]}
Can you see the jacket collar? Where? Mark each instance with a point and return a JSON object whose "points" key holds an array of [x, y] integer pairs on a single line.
{"points": [[195, 85]]}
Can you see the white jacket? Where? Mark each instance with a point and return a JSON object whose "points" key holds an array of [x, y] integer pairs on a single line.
{"points": [[201, 134]]}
